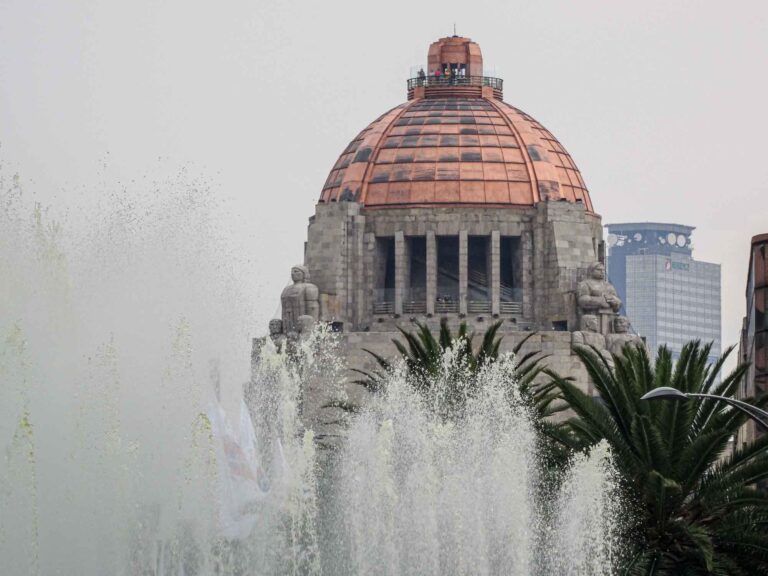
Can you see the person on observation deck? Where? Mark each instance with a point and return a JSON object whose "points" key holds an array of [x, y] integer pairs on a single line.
{"points": [[422, 76]]}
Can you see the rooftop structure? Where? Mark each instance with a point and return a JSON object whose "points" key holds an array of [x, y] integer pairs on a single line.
{"points": [[456, 206], [455, 143]]}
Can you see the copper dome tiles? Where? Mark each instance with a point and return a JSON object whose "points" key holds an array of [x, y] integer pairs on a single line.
{"points": [[436, 151]]}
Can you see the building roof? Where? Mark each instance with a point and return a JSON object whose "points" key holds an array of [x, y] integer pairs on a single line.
{"points": [[455, 142], [651, 226]]}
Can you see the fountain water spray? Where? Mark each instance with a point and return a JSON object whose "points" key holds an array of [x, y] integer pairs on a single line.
{"points": [[113, 461]]}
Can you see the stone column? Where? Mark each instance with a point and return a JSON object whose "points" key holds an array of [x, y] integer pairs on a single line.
{"points": [[495, 271], [463, 271], [400, 264], [431, 271], [528, 280]]}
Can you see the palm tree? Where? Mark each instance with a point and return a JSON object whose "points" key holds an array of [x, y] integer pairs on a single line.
{"points": [[697, 511], [422, 354]]}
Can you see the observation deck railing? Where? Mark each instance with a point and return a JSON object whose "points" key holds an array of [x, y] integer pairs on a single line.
{"points": [[468, 86]]}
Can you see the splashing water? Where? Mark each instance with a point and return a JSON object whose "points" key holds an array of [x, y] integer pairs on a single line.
{"points": [[111, 461]]}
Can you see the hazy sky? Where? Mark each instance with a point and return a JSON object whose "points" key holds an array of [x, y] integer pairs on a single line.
{"points": [[662, 104]]}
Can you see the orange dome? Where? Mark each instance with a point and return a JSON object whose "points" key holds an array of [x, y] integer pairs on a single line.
{"points": [[455, 143]]}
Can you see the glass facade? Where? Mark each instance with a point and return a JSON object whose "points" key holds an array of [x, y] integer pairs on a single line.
{"points": [[669, 297]]}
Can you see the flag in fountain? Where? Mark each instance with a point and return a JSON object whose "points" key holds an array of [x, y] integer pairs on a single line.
{"points": [[242, 481]]}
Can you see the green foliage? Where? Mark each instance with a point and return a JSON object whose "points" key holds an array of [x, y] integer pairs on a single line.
{"points": [[423, 355], [696, 512]]}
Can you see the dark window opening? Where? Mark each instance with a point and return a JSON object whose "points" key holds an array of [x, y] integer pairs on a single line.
{"points": [[510, 267], [385, 270], [478, 260], [417, 281], [448, 269]]}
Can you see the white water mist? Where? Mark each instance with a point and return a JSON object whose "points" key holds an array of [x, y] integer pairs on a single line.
{"points": [[117, 324]]}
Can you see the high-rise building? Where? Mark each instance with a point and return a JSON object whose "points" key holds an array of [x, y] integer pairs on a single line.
{"points": [[753, 346], [670, 297]]}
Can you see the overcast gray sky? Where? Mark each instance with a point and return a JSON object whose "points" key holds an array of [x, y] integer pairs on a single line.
{"points": [[662, 104]]}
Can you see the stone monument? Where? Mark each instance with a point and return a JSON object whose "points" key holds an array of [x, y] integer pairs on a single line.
{"points": [[299, 299], [597, 296], [589, 333], [621, 336]]}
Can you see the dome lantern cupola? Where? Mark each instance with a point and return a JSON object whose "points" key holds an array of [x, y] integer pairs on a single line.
{"points": [[455, 142]]}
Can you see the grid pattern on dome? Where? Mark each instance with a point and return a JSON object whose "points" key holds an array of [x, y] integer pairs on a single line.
{"points": [[572, 186], [332, 190], [449, 150], [454, 151]]}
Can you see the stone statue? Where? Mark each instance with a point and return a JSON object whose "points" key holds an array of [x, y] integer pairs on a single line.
{"points": [[299, 299], [596, 294], [589, 335], [621, 336], [276, 333]]}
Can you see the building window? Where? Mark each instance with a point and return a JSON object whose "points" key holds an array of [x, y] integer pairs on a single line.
{"points": [[447, 274], [510, 267], [417, 272], [384, 291], [478, 272]]}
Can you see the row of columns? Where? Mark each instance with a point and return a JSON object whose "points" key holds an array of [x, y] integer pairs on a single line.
{"points": [[402, 263]]}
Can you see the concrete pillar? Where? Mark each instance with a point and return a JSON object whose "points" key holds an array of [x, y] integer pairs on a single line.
{"points": [[529, 283], [400, 271], [463, 271], [431, 271], [495, 271]]}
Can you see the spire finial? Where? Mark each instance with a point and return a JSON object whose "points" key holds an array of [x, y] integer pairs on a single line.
{"points": [[454, 28]]}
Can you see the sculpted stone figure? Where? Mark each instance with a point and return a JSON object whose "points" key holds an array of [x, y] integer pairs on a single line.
{"points": [[276, 333], [621, 336], [589, 335], [596, 294], [299, 299]]}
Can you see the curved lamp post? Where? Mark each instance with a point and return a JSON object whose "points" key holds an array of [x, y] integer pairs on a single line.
{"points": [[667, 393]]}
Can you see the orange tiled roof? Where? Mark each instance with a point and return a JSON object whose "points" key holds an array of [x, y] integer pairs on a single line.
{"points": [[455, 142], [454, 151]]}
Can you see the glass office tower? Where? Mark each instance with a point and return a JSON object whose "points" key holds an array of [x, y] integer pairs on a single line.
{"points": [[669, 297]]}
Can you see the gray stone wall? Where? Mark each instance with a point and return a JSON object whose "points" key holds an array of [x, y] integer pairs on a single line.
{"points": [[557, 241]]}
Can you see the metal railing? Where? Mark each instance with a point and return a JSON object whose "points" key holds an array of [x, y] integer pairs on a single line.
{"points": [[495, 83], [384, 301], [479, 307], [511, 307], [383, 307], [446, 307], [415, 307]]}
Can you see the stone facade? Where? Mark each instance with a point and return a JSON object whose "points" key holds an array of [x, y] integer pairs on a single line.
{"points": [[556, 243], [457, 206]]}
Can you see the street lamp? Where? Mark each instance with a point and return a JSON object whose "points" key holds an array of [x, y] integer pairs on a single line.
{"points": [[667, 393]]}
